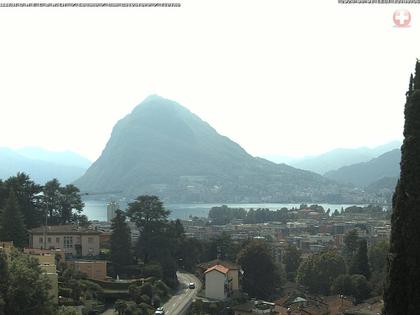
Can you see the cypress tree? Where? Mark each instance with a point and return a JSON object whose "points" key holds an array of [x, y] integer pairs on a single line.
{"points": [[4, 277], [12, 226], [120, 242], [360, 262], [402, 290]]}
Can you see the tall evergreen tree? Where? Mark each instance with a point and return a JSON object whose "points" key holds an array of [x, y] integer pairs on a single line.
{"points": [[120, 242], [27, 198], [3, 193], [360, 263], [51, 200], [150, 217], [4, 276], [63, 204], [351, 243], [261, 275], [69, 201], [402, 290], [12, 227]]}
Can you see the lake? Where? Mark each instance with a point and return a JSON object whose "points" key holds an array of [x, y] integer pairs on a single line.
{"points": [[96, 210]]}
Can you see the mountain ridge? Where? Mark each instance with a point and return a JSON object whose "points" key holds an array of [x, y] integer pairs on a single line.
{"points": [[41, 171], [336, 158], [367, 173], [163, 148]]}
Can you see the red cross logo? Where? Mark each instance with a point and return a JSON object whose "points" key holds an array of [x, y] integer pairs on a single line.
{"points": [[402, 18]]}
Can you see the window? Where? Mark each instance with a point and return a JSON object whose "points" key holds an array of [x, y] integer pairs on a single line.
{"points": [[90, 240], [41, 240], [49, 240], [57, 240], [68, 241]]}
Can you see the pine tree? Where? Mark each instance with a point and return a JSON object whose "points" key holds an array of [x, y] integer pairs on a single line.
{"points": [[402, 290], [26, 192], [12, 227], [120, 242], [360, 263]]}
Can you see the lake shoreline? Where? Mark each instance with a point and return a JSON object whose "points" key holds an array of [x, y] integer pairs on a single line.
{"points": [[97, 210]]}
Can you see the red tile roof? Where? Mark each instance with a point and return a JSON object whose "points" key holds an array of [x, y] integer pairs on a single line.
{"points": [[219, 268], [214, 262]]}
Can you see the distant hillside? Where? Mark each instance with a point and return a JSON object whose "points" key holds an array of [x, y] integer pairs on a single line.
{"points": [[383, 184], [338, 158], [63, 158], [366, 173], [12, 162], [383, 189], [162, 148]]}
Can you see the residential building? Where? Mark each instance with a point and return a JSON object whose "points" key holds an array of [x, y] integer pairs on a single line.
{"points": [[221, 280], [74, 240], [216, 282], [47, 262], [111, 208]]}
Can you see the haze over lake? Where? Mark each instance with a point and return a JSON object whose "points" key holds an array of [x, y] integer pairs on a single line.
{"points": [[96, 210]]}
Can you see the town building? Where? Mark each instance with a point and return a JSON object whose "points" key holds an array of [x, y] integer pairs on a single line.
{"points": [[72, 239], [111, 208], [47, 262], [221, 279]]}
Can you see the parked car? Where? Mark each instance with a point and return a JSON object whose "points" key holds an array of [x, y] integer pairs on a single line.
{"points": [[191, 285], [160, 311]]}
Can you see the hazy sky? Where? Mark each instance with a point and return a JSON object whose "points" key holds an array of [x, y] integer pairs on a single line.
{"points": [[278, 77]]}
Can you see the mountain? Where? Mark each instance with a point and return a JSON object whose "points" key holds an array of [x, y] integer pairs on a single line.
{"points": [[40, 170], [279, 159], [385, 183], [162, 148], [62, 158], [366, 173], [337, 158]]}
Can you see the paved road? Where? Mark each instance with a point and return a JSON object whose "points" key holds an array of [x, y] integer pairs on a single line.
{"points": [[180, 301], [109, 311]]}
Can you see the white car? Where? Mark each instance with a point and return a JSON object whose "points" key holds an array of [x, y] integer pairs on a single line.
{"points": [[191, 285], [160, 311]]}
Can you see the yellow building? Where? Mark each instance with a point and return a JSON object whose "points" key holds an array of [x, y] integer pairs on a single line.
{"points": [[47, 262]]}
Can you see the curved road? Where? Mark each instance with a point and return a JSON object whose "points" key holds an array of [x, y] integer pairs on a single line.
{"points": [[182, 299]]}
